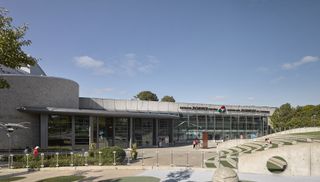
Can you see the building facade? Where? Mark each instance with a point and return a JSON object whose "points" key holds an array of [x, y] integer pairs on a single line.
{"points": [[57, 117]]}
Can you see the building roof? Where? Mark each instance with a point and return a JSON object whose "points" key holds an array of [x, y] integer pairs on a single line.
{"points": [[69, 111]]}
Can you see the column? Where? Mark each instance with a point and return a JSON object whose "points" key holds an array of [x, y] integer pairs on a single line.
{"points": [[246, 126], [130, 132], [91, 119], [43, 131], [157, 132], [73, 129]]}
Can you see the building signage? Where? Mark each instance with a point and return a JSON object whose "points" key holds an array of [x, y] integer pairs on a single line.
{"points": [[198, 108]]}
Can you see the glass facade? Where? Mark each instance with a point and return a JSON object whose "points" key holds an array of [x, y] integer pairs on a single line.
{"points": [[109, 131], [82, 130], [59, 130]]}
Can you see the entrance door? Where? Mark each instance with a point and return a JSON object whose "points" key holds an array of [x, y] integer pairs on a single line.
{"points": [[143, 132]]}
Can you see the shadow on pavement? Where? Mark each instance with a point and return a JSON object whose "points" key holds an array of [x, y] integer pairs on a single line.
{"points": [[178, 175]]}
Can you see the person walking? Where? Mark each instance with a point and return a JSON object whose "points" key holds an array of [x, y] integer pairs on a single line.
{"points": [[35, 152], [194, 144]]}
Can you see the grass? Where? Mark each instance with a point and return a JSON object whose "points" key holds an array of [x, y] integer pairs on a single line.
{"points": [[274, 168], [63, 179], [133, 179], [314, 135], [210, 165], [226, 164], [11, 179]]}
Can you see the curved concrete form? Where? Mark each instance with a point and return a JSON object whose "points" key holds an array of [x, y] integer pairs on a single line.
{"points": [[302, 159], [38, 91]]}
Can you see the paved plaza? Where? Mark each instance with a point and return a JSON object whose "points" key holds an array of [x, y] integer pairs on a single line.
{"points": [[166, 175]]}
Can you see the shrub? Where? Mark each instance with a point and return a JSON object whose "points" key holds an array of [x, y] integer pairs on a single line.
{"points": [[107, 155]]}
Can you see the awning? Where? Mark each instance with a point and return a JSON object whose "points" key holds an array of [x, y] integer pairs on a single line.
{"points": [[91, 112]]}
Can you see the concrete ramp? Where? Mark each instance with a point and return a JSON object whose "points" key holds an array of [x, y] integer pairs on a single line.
{"points": [[303, 159]]}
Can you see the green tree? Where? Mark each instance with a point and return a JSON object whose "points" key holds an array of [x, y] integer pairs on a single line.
{"points": [[147, 95], [11, 43], [168, 99], [282, 116]]}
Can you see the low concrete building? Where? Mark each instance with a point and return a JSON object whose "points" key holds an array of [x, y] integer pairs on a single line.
{"points": [[59, 118]]}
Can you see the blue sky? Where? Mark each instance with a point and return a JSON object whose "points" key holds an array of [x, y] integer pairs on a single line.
{"points": [[246, 52]]}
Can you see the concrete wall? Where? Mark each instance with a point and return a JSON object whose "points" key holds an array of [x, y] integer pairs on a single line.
{"points": [[35, 91], [302, 159], [165, 107], [235, 142]]}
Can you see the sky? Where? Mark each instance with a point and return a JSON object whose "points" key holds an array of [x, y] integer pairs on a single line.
{"points": [[242, 52]]}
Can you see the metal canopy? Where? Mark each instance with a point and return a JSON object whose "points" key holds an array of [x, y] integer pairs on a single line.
{"points": [[68, 111]]}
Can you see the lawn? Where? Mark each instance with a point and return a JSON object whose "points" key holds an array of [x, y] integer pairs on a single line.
{"points": [[315, 135], [10, 179], [63, 179], [134, 179]]}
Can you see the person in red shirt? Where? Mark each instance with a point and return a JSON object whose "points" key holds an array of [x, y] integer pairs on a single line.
{"points": [[35, 152]]}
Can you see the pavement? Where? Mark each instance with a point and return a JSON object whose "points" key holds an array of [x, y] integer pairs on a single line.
{"points": [[165, 174]]}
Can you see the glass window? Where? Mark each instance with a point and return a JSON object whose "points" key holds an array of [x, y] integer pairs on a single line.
{"points": [[219, 122], [121, 132], [59, 130], [82, 130]]}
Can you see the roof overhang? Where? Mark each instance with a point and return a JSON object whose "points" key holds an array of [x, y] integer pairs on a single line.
{"points": [[91, 112]]}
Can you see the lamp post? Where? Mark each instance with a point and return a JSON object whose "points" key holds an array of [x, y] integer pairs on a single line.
{"points": [[10, 128]]}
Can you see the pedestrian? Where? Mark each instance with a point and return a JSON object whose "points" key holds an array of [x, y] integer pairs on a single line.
{"points": [[35, 152], [197, 143], [194, 143]]}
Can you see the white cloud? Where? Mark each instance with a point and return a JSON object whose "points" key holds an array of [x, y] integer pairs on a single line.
{"points": [[129, 64], [98, 67], [304, 60], [251, 98]]}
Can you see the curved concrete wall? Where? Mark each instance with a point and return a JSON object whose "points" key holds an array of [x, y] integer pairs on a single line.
{"points": [[33, 91], [302, 160], [236, 142]]}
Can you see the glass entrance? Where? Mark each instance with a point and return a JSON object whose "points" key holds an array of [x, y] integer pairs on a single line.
{"points": [[143, 132]]}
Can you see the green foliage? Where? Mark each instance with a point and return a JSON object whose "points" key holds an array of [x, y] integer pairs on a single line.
{"points": [[107, 155], [147, 95], [11, 43], [168, 99], [287, 117], [134, 152], [66, 159]]}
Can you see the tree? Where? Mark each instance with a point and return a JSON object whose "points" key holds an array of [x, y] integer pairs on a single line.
{"points": [[147, 95], [282, 116], [168, 99], [11, 43]]}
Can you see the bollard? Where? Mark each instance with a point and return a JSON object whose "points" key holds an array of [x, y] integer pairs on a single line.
{"points": [[27, 155], [100, 158], [71, 156], [128, 162], [157, 158], [171, 163], [86, 158], [142, 158], [202, 159], [187, 159], [57, 154], [42, 158], [11, 161], [114, 158]]}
